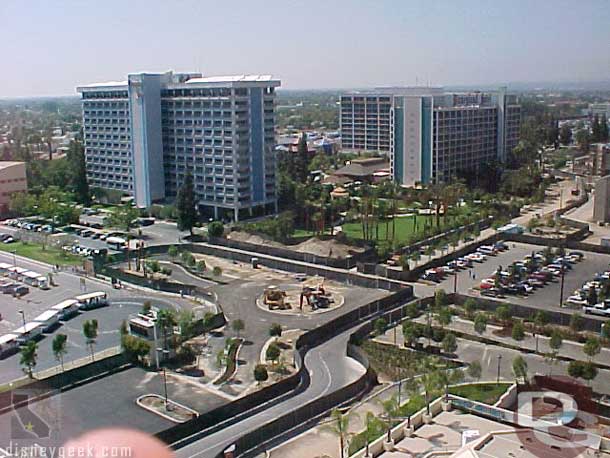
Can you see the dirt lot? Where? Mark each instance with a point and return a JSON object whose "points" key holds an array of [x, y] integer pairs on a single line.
{"points": [[311, 246]]}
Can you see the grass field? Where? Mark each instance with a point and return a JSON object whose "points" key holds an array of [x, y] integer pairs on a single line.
{"points": [[405, 226], [487, 393], [34, 251]]}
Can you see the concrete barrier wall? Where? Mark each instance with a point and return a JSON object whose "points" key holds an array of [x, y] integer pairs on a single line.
{"points": [[343, 263]]}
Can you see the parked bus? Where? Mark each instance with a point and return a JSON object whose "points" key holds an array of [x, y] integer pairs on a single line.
{"points": [[67, 309], [117, 243], [4, 267], [8, 344], [34, 279], [48, 319], [28, 332], [92, 300]]}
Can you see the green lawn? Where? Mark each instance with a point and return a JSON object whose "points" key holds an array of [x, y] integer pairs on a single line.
{"points": [[487, 393], [34, 251], [405, 226]]}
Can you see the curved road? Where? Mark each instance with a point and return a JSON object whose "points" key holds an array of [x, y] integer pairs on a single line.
{"points": [[329, 368]]}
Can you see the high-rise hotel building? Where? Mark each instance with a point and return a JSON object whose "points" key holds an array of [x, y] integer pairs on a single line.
{"points": [[428, 134], [142, 135]]}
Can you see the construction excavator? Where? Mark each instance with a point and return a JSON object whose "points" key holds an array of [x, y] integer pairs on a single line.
{"points": [[316, 297], [275, 298]]}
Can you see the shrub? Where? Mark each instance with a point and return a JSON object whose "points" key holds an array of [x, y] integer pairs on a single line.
{"points": [[275, 330], [216, 229], [518, 332], [217, 271], [260, 373], [273, 352], [172, 252], [166, 271]]}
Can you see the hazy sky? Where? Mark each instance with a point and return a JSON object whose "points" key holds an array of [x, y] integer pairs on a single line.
{"points": [[50, 46]]}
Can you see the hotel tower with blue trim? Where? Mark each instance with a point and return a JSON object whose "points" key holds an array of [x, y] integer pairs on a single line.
{"points": [[431, 135], [142, 135]]}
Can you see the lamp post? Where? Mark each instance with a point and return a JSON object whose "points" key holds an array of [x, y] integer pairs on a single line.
{"points": [[14, 258], [22, 313], [498, 375], [165, 352]]}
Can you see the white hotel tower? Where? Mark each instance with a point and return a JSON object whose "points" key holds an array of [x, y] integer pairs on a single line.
{"points": [[143, 134]]}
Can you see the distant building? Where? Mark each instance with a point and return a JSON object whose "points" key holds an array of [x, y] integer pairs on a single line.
{"points": [[430, 135], [142, 135], [366, 170], [601, 203], [12, 179], [600, 109], [594, 163]]}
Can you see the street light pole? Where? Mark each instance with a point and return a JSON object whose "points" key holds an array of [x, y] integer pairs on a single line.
{"points": [[165, 389], [22, 313], [498, 375], [563, 274], [14, 258]]}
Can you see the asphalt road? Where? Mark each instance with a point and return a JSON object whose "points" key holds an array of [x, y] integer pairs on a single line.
{"points": [[238, 301], [124, 303], [329, 368]]}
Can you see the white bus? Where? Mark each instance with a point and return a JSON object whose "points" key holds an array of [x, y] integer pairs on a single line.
{"points": [[92, 300], [116, 243], [27, 332], [8, 343], [48, 319], [4, 267], [35, 279], [66, 309]]}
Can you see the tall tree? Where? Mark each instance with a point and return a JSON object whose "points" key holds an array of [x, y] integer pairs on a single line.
{"points": [[185, 204], [90, 331], [59, 348], [29, 356], [79, 183], [565, 135], [302, 159]]}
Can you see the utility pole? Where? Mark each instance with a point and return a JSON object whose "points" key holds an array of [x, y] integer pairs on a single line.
{"points": [[498, 374]]}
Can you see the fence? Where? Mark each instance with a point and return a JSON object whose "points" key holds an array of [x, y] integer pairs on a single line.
{"points": [[342, 263]]}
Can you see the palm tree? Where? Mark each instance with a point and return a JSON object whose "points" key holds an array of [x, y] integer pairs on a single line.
{"points": [[166, 319], [339, 426], [391, 409], [430, 380]]}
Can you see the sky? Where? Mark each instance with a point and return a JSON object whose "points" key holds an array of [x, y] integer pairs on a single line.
{"points": [[48, 47]]}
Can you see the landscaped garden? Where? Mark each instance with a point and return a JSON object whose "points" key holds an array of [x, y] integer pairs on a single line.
{"points": [[487, 393]]}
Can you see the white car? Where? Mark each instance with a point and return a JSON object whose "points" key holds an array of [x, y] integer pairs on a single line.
{"points": [[576, 300], [476, 257]]}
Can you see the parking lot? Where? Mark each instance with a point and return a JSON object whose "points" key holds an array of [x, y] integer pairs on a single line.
{"points": [[111, 402], [123, 303], [159, 233], [547, 296]]}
